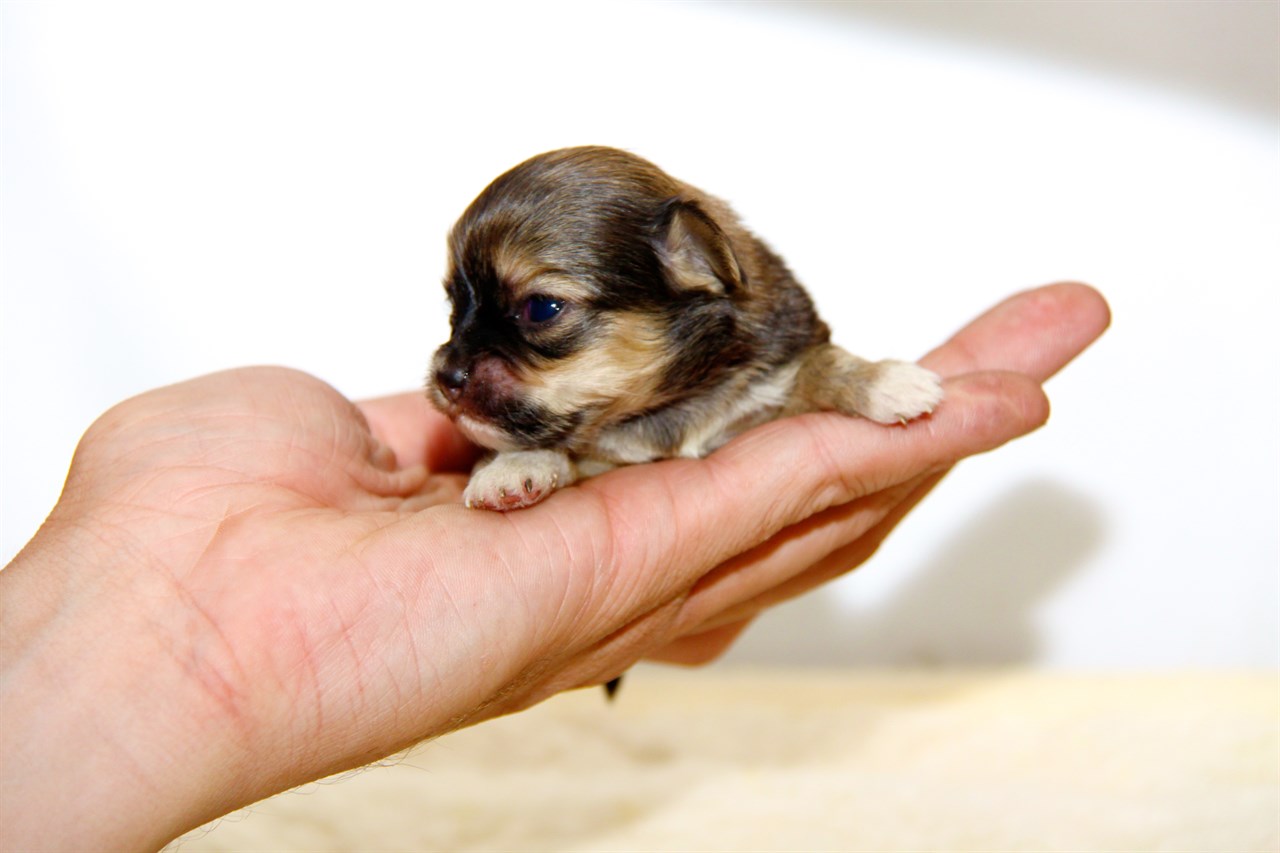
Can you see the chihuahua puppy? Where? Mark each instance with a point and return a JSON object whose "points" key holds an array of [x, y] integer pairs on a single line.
{"points": [[605, 314]]}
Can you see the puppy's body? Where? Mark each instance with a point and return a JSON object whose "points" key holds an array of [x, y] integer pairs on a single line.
{"points": [[606, 314]]}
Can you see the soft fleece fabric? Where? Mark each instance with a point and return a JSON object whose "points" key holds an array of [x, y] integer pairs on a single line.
{"points": [[800, 760]]}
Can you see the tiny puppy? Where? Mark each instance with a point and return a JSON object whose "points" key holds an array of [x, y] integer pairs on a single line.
{"points": [[605, 313]]}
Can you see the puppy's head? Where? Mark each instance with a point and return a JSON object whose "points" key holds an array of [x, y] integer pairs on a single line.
{"points": [[587, 287]]}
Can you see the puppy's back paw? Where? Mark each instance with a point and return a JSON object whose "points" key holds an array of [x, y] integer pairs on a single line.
{"points": [[887, 392], [899, 391]]}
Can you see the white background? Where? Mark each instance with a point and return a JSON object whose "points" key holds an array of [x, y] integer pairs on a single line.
{"points": [[188, 187]]}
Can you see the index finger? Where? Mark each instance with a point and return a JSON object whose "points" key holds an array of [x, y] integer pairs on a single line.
{"points": [[1035, 333]]}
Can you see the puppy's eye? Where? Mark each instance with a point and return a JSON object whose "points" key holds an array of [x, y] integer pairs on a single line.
{"points": [[538, 309]]}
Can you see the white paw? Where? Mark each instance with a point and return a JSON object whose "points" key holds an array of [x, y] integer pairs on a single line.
{"points": [[517, 479], [902, 391]]}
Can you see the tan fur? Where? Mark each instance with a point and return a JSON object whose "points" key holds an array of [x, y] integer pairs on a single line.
{"points": [[526, 275], [616, 376]]}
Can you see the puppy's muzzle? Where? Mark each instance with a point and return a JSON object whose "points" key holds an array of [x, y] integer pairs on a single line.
{"points": [[482, 386]]}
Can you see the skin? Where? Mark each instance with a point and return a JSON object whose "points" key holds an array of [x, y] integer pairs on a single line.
{"points": [[249, 582]]}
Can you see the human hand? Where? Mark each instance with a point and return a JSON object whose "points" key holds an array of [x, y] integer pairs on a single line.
{"points": [[247, 584]]}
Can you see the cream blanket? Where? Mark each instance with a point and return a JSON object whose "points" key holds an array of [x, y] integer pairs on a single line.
{"points": [[725, 759]]}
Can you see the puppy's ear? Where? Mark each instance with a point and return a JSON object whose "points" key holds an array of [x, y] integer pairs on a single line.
{"points": [[695, 251]]}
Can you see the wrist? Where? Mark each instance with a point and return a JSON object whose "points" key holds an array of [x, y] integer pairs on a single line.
{"points": [[108, 742]]}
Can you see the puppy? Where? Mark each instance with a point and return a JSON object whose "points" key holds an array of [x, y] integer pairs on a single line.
{"points": [[605, 314]]}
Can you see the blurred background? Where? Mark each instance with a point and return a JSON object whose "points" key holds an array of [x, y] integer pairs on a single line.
{"points": [[190, 187]]}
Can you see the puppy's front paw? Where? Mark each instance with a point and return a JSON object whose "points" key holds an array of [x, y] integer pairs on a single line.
{"points": [[900, 391], [518, 479]]}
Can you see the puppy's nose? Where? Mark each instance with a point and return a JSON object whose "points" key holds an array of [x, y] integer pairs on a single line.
{"points": [[452, 379]]}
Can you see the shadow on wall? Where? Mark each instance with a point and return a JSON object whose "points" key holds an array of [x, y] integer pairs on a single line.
{"points": [[971, 603]]}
